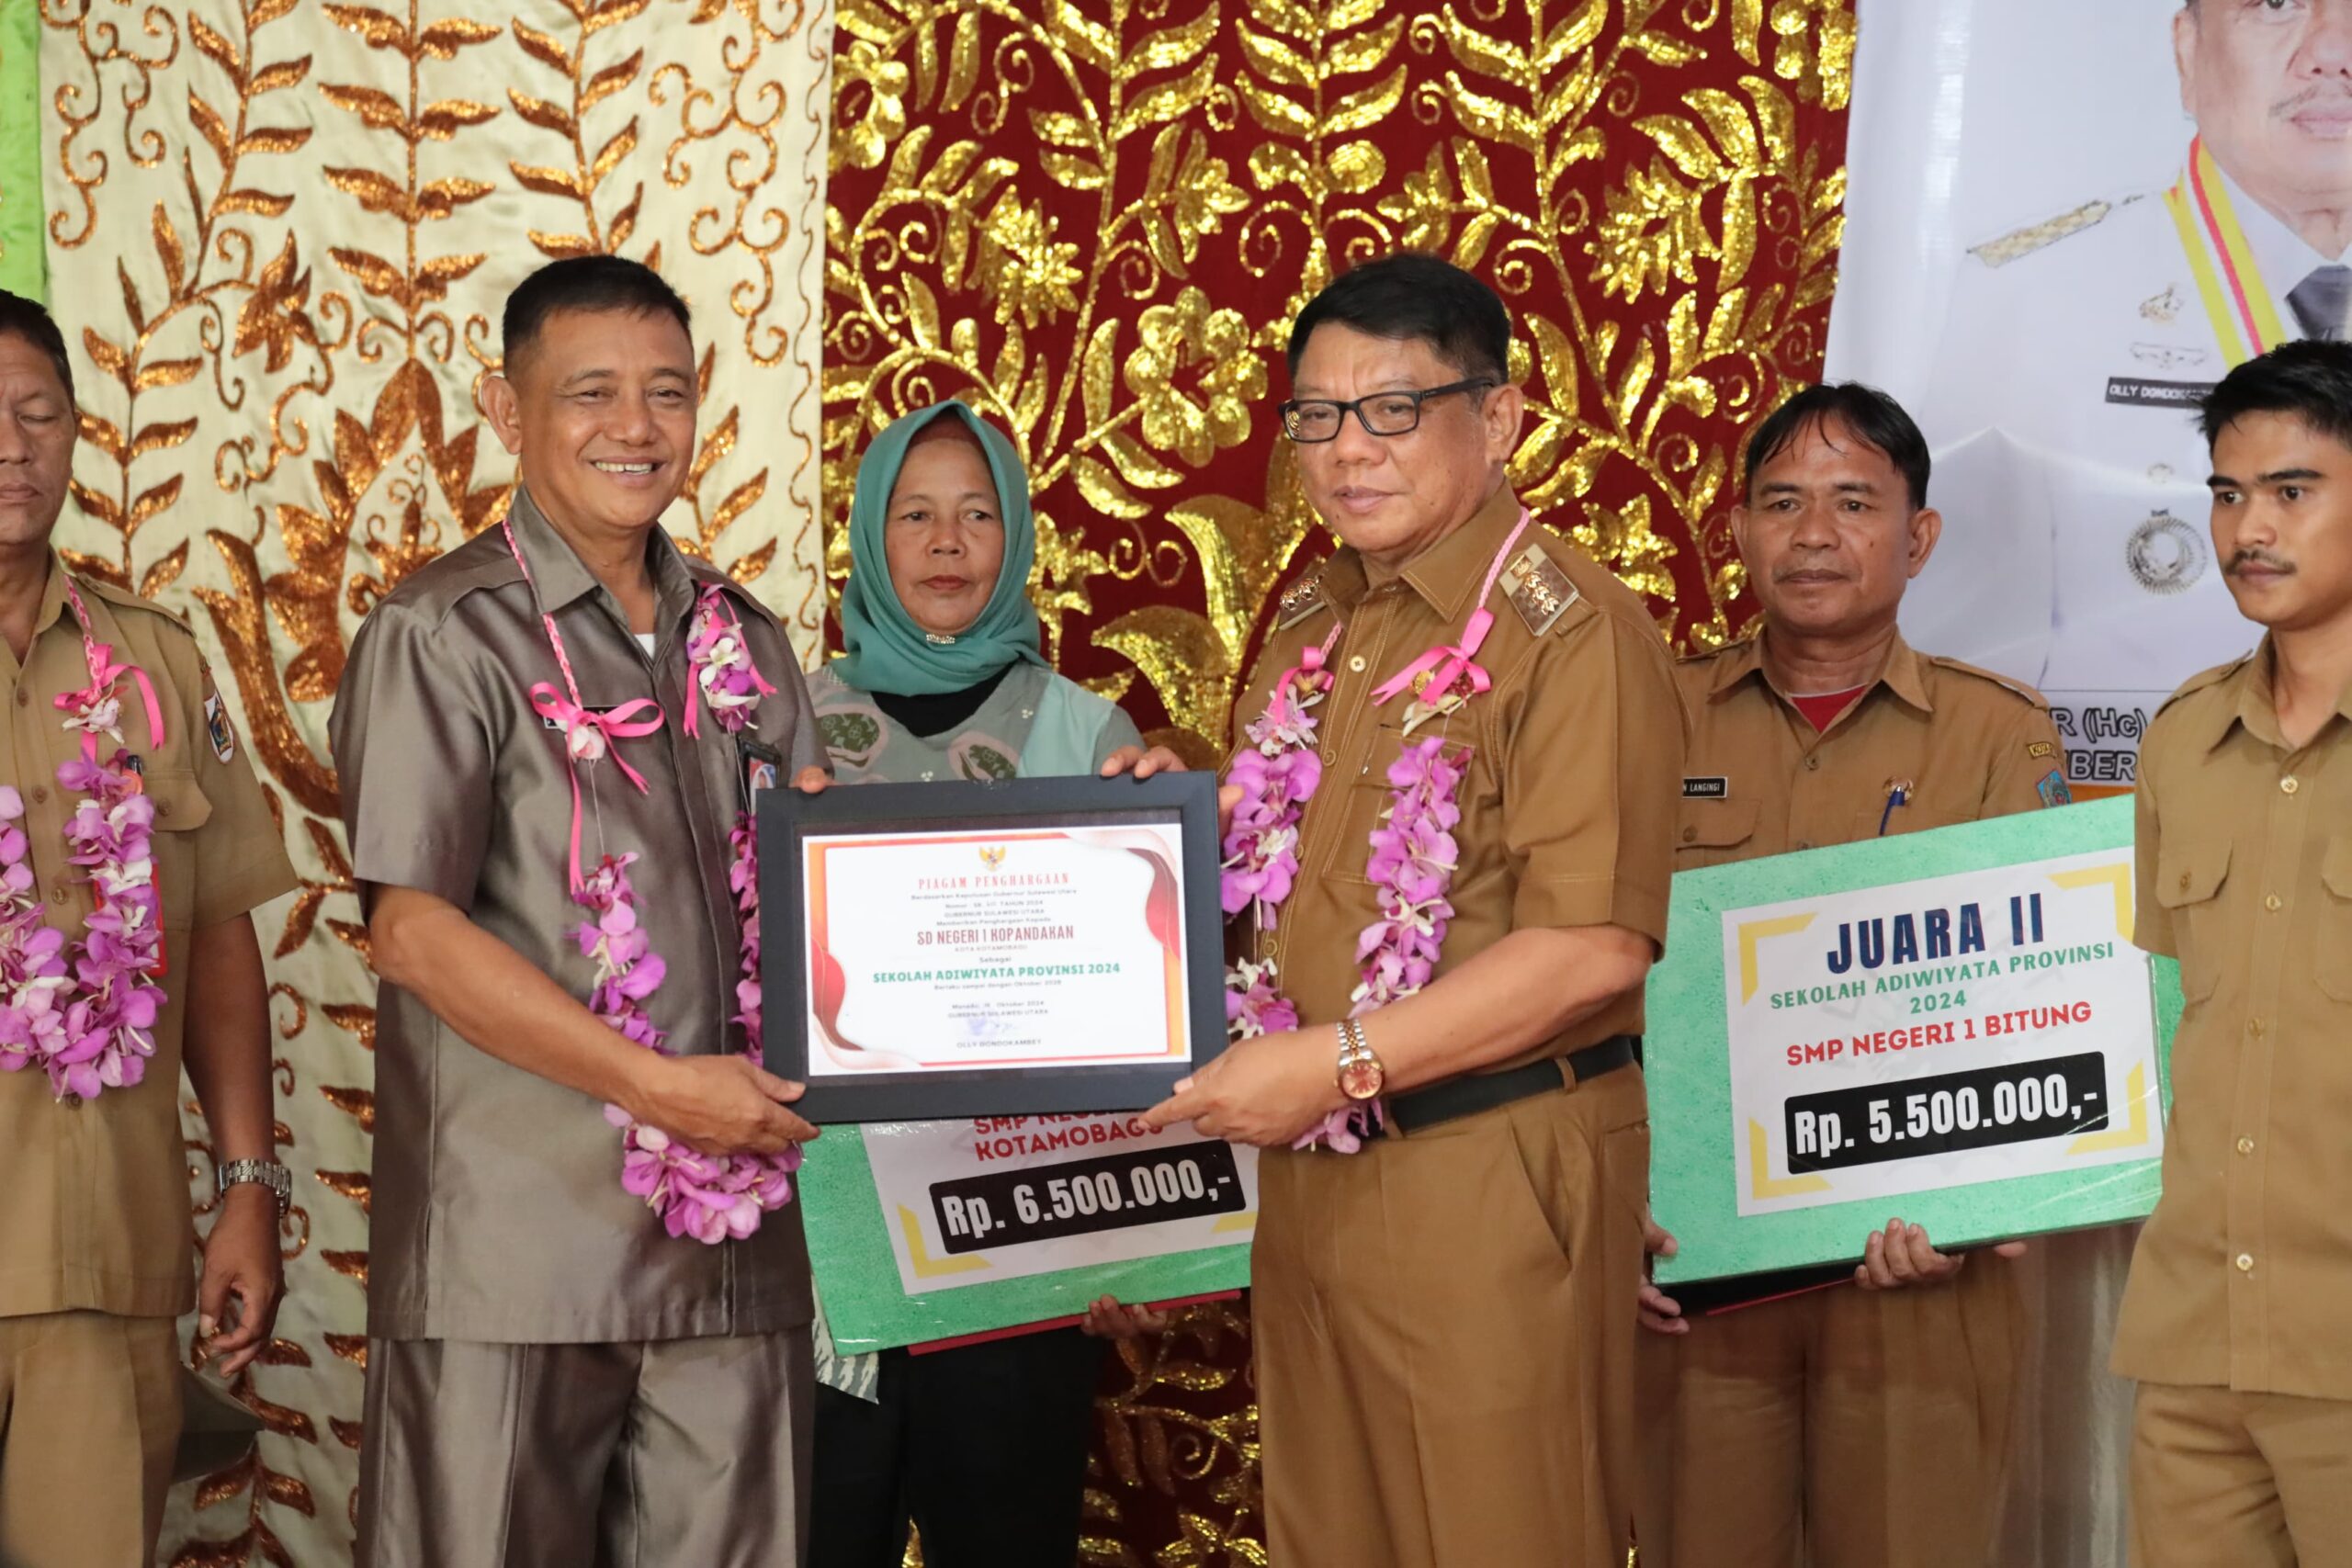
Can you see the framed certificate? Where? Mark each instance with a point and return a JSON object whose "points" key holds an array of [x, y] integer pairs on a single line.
{"points": [[1024, 947]]}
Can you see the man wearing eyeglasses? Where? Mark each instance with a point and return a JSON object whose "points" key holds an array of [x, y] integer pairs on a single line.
{"points": [[1442, 1329]]}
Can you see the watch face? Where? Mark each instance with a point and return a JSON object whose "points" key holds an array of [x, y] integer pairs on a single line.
{"points": [[1361, 1078]]}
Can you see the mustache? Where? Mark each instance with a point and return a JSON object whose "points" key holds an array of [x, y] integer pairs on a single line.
{"points": [[2263, 558], [2317, 93]]}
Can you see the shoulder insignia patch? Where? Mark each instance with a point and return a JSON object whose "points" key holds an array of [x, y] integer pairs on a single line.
{"points": [[2034, 236], [1538, 590], [2041, 749], [1300, 600], [2053, 789], [217, 727]]}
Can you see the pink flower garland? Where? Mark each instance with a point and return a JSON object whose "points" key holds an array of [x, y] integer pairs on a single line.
{"points": [[1411, 868], [712, 1198], [1413, 851], [86, 1012]]}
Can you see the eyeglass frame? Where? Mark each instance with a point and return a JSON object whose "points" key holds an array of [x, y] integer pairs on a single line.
{"points": [[1288, 409]]}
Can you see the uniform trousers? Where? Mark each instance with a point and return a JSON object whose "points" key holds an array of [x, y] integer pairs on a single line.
{"points": [[1837, 1428], [89, 1417], [2250, 1480], [674, 1453], [982, 1447], [1444, 1328]]}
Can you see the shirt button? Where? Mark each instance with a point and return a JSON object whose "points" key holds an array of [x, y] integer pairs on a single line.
{"points": [[1804, 843], [2245, 1262], [57, 894], [24, 698], [2254, 1027], [1812, 764], [71, 1102], [163, 808], [2273, 903], [2289, 785], [40, 793], [1356, 664], [2245, 1146], [1689, 834]]}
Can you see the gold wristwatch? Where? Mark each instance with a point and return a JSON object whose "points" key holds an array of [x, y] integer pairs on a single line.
{"points": [[1359, 1074]]}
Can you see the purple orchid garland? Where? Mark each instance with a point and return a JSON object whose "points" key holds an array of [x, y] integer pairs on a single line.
{"points": [[712, 1198], [1411, 868], [85, 1011]]}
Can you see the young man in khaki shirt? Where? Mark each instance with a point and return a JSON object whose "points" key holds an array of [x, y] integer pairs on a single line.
{"points": [[1443, 1319], [1858, 1416], [95, 1233], [2237, 1320]]}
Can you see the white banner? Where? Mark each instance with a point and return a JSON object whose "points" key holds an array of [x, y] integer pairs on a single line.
{"points": [[1940, 1033], [2065, 222]]}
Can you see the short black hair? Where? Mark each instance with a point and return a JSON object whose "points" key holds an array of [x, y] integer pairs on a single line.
{"points": [[27, 319], [587, 283], [1416, 296], [1876, 421], [2308, 378]]}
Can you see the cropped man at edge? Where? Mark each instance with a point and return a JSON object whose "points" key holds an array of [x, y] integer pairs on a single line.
{"points": [[1861, 1416], [134, 844]]}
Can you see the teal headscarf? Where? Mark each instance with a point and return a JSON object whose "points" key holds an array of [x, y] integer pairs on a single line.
{"points": [[886, 650]]}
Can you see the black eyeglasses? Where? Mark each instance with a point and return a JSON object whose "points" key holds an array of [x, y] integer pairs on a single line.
{"points": [[1383, 413]]}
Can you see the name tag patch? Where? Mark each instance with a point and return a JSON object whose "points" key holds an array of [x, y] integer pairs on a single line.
{"points": [[1712, 786], [2139, 391]]}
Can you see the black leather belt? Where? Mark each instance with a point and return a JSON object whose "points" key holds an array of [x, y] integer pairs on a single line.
{"points": [[1420, 1109]]}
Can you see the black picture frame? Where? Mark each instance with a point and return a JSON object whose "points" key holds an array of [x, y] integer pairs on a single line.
{"points": [[786, 818]]}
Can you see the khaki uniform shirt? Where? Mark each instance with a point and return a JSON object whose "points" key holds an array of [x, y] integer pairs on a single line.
{"points": [[1567, 800], [497, 1208], [1761, 780], [2242, 1277], [94, 1196]]}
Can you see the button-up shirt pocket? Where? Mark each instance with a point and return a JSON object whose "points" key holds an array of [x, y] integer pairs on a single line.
{"points": [[1712, 831], [2332, 921], [2189, 878], [181, 807]]}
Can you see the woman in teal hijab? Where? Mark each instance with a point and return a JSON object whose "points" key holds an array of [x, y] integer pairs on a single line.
{"points": [[942, 676], [982, 1447]]}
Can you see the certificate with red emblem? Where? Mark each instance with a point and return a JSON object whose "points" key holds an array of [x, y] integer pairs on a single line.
{"points": [[1023, 947]]}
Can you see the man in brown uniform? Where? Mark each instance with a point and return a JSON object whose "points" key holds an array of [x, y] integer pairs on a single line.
{"points": [[2237, 1320], [94, 1226], [553, 1377], [1857, 1416], [1443, 1320]]}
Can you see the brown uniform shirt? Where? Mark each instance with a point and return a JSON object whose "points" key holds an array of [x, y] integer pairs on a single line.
{"points": [[93, 1199], [497, 1207], [1761, 780], [2242, 1277], [1567, 801]]}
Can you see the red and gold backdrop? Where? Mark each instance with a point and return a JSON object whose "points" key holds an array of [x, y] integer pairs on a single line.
{"points": [[1095, 222], [279, 231]]}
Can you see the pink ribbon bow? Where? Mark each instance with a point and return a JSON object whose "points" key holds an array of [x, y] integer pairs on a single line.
{"points": [[104, 671], [588, 737], [1453, 664]]}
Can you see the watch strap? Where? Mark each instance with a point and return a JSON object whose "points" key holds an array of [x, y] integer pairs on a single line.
{"points": [[256, 1172]]}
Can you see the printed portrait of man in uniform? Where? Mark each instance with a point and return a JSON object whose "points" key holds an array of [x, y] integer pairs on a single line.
{"points": [[2208, 145]]}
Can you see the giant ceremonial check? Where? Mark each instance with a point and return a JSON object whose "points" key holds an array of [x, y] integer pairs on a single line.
{"points": [[1950, 1026], [932, 1230]]}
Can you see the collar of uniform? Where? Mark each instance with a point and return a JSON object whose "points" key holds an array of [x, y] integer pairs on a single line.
{"points": [[1448, 573], [1903, 673], [52, 607], [2255, 702], [562, 576]]}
